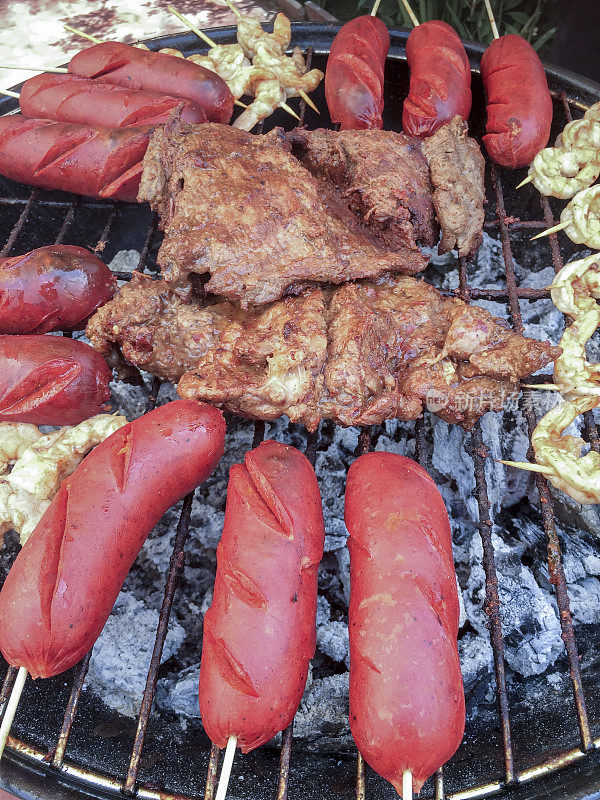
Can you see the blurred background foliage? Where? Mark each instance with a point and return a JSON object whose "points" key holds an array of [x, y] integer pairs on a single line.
{"points": [[536, 20]]}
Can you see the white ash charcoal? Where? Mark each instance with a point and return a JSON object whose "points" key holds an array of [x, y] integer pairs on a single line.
{"points": [[532, 636], [179, 693], [122, 654], [332, 635], [476, 656], [322, 717], [130, 400], [125, 261]]}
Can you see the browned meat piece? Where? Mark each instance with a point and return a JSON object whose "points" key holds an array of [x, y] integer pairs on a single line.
{"points": [[357, 354], [242, 208], [457, 171], [155, 329], [383, 176]]}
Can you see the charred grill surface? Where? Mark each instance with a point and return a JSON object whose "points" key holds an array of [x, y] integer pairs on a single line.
{"points": [[358, 354]]}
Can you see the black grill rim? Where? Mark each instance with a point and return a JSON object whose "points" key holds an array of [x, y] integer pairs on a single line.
{"points": [[27, 780]]}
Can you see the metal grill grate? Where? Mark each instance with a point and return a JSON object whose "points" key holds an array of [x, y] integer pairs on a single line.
{"points": [[507, 227]]}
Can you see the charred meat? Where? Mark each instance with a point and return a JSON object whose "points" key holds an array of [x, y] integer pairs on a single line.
{"points": [[358, 354], [242, 208], [383, 176], [457, 172]]}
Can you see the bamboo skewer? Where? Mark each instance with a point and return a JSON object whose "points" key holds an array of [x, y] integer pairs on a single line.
{"points": [[375, 8], [548, 387], [492, 19], [407, 792], [528, 466], [85, 35], [235, 10], [528, 179], [410, 13], [11, 707], [57, 70], [8, 93], [226, 768], [558, 227], [194, 28]]}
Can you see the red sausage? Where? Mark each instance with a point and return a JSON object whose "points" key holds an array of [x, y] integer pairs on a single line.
{"points": [[407, 706], [519, 104], [52, 288], [67, 98], [64, 582], [50, 380], [134, 68], [354, 74], [259, 633], [95, 162], [440, 79]]}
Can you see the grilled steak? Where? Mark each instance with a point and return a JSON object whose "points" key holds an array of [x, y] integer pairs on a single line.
{"points": [[358, 354], [383, 176], [457, 171], [240, 207]]}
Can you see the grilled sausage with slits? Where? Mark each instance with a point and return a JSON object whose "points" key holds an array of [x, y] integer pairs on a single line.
{"points": [[66, 578], [259, 633], [407, 705], [94, 162]]}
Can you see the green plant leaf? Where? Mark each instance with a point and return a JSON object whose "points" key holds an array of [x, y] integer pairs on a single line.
{"points": [[543, 39]]}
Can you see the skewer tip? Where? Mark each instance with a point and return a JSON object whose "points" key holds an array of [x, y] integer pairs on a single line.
{"points": [[527, 180], [527, 465], [307, 100], [289, 110], [554, 229]]}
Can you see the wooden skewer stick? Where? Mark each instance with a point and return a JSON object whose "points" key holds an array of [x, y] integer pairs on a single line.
{"points": [[11, 707], [527, 180], [189, 24], [307, 100], [8, 93], [559, 227], [548, 387], [407, 792], [492, 19], [410, 13], [289, 110], [375, 8], [526, 465], [235, 10], [226, 768], [57, 70], [85, 35]]}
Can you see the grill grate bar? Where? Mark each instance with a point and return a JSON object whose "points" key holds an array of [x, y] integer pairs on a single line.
{"points": [[67, 221], [492, 601], [82, 670], [19, 224], [556, 571], [211, 772], [176, 565]]}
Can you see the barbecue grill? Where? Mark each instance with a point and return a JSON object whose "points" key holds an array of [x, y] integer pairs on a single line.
{"points": [[66, 743]]}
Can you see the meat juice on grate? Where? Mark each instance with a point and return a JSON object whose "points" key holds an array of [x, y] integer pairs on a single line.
{"points": [[528, 606]]}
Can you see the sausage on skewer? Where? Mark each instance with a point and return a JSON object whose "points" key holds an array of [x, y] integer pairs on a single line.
{"points": [[67, 98], [354, 73], [519, 104], [94, 162], [259, 633], [407, 706], [134, 68], [440, 79], [66, 578]]}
